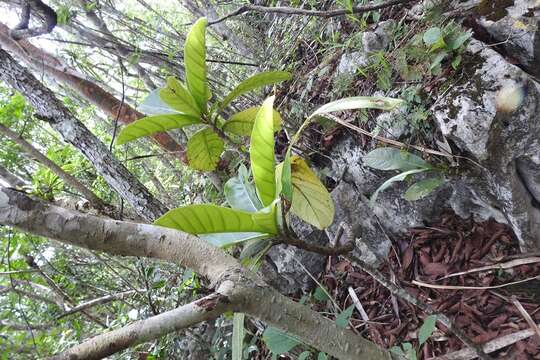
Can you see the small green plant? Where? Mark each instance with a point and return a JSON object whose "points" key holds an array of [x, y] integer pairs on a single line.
{"points": [[406, 349], [388, 158], [445, 43], [179, 105]]}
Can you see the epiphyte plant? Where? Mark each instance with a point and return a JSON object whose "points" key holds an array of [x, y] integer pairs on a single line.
{"points": [[179, 105]]}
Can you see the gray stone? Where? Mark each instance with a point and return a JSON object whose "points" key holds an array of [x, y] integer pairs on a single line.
{"points": [[351, 62], [505, 141], [379, 39], [517, 31]]}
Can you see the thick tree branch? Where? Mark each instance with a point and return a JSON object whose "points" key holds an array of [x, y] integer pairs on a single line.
{"points": [[282, 10], [12, 179], [246, 292]]}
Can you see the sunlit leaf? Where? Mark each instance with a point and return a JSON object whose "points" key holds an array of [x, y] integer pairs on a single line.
{"points": [[179, 98], [262, 152], [390, 158], [279, 342], [204, 150], [152, 104], [254, 82], [231, 238], [422, 188], [195, 63], [310, 200], [241, 123], [385, 185], [153, 124], [208, 219]]}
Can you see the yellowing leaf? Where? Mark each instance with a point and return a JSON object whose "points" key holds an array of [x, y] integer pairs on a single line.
{"points": [[310, 201], [179, 98], [209, 219], [154, 124], [241, 123], [195, 63], [204, 150], [520, 25], [262, 153]]}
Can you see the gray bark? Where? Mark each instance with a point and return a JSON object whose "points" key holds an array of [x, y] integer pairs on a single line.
{"points": [[242, 289], [48, 108], [12, 179]]}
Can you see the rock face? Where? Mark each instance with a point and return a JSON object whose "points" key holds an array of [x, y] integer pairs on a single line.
{"points": [[515, 24], [506, 143]]}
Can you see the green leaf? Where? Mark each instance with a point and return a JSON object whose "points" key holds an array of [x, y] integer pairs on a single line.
{"points": [[152, 104], [279, 342], [204, 150], [342, 320], [241, 194], [262, 153], [455, 41], [385, 185], [310, 201], [439, 57], [432, 35], [179, 98], [238, 336], [422, 188], [389, 158], [456, 62], [304, 355], [427, 329], [153, 124], [286, 177], [321, 294], [231, 238], [397, 350], [241, 123], [195, 63], [322, 356], [208, 219], [254, 82], [359, 102]]}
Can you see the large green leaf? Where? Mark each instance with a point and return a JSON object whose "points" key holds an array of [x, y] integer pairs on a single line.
{"points": [[231, 238], [310, 201], [208, 219], [389, 158], [262, 153], [359, 102], [254, 82], [204, 150], [154, 124], [422, 188], [385, 185], [241, 193], [179, 98], [427, 329], [241, 123], [195, 63], [238, 336], [279, 342], [286, 177]]}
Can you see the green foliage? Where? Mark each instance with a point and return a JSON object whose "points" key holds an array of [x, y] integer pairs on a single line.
{"points": [[178, 105], [410, 164], [406, 349], [279, 342], [238, 336], [342, 319]]}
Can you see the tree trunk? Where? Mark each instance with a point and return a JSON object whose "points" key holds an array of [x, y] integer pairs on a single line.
{"points": [[239, 288], [48, 108], [41, 61]]}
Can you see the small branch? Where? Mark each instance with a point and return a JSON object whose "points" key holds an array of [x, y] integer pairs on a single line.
{"points": [[455, 287], [15, 272], [282, 10], [526, 316], [24, 327], [324, 250], [95, 302]]}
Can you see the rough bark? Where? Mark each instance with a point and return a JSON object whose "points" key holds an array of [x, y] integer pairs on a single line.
{"points": [[41, 61], [70, 180], [243, 290], [12, 179], [51, 110]]}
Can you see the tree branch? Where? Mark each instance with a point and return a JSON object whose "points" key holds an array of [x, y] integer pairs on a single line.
{"points": [[282, 10]]}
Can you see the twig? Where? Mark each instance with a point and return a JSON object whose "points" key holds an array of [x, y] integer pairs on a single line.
{"points": [[405, 295], [98, 301], [14, 272], [489, 347], [283, 10], [526, 315], [454, 287], [506, 265], [358, 304], [324, 250]]}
